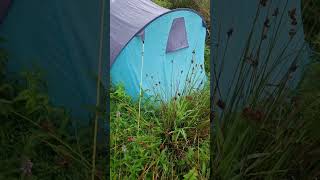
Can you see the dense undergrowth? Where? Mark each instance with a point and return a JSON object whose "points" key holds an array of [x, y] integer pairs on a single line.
{"points": [[38, 140], [272, 139], [273, 136], [277, 139], [171, 142]]}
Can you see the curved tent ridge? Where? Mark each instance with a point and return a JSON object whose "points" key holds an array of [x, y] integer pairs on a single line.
{"points": [[129, 17]]}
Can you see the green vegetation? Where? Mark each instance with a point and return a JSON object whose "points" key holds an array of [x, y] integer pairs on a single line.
{"points": [[171, 141], [270, 138], [38, 140], [311, 20], [274, 138]]}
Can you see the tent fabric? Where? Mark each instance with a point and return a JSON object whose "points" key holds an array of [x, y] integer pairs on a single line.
{"points": [[127, 18], [4, 5], [237, 17], [161, 44], [61, 38], [164, 74], [178, 36]]}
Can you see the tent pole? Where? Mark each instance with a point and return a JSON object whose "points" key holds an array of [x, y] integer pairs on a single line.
{"points": [[140, 93]]}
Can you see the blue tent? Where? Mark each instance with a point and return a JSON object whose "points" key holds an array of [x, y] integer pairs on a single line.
{"points": [[61, 38], [280, 25], [162, 50]]}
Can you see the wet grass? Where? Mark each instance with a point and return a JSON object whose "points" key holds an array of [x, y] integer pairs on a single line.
{"points": [[259, 135], [272, 138], [38, 140], [171, 141]]}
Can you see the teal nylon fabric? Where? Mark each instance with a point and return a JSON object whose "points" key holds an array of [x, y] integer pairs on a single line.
{"points": [[61, 38], [164, 74], [240, 16]]}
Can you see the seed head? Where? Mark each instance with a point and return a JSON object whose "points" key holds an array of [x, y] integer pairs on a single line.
{"points": [[275, 12], [267, 23], [190, 98], [131, 139], [249, 113], [263, 3], [221, 104], [292, 33], [26, 167], [230, 32], [293, 68], [118, 114], [161, 146], [124, 148], [292, 13], [63, 161], [258, 115], [293, 17], [47, 125]]}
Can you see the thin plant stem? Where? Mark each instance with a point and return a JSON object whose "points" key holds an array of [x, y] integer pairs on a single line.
{"points": [[98, 89]]}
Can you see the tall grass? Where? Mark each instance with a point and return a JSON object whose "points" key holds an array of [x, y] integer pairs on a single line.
{"points": [[265, 136], [311, 21], [38, 140], [171, 141]]}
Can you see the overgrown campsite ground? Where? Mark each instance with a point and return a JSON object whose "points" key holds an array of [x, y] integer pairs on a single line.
{"points": [[170, 140], [269, 139], [277, 139]]}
